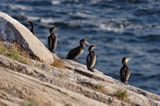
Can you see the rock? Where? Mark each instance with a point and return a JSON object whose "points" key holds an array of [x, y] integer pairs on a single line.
{"points": [[13, 31], [21, 88], [41, 84], [24, 84]]}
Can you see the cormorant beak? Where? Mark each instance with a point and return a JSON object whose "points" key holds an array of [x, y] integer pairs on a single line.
{"points": [[127, 60], [94, 46], [86, 43]]}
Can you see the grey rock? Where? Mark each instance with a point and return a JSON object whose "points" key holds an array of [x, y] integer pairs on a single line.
{"points": [[13, 31]]}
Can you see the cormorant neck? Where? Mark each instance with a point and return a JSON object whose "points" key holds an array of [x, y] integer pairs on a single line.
{"points": [[124, 64], [82, 45], [52, 34], [91, 51], [32, 28]]}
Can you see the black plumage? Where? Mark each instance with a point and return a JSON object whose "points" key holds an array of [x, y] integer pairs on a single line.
{"points": [[91, 58], [75, 53], [124, 71], [52, 40], [32, 27]]}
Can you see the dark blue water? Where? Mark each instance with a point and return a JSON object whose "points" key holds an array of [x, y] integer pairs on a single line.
{"points": [[118, 28]]}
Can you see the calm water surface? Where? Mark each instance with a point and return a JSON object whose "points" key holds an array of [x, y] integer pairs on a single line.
{"points": [[118, 28]]}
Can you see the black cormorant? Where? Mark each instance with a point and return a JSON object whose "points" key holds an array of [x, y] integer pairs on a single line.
{"points": [[52, 40], [91, 58], [124, 72], [76, 52], [32, 27]]}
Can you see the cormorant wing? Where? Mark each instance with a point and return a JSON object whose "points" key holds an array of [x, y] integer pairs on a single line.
{"points": [[91, 59], [55, 42], [73, 53], [49, 42], [122, 73], [88, 60], [127, 73]]}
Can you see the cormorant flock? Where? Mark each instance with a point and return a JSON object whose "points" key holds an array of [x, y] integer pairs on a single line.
{"points": [[76, 52]]}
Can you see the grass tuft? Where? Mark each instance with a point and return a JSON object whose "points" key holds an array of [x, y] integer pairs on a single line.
{"points": [[30, 103], [99, 88], [122, 95], [14, 55], [59, 63], [13, 51]]}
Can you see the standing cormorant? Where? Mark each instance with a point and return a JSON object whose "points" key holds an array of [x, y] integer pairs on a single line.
{"points": [[32, 27], [52, 40], [91, 58], [124, 72], [76, 52]]}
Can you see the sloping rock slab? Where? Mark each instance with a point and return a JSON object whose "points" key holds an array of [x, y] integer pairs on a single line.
{"points": [[13, 31]]}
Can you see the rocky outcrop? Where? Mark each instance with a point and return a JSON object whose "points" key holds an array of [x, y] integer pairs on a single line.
{"points": [[41, 85], [13, 31], [64, 83]]}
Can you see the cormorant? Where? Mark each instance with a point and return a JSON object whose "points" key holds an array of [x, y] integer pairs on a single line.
{"points": [[52, 40], [32, 27], [124, 72], [75, 53], [91, 58]]}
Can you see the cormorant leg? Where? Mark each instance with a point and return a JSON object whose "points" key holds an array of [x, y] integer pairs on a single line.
{"points": [[54, 51], [126, 82], [76, 60], [91, 69], [50, 49]]}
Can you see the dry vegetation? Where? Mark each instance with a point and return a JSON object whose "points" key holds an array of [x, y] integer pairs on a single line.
{"points": [[99, 88], [121, 94], [30, 103], [13, 51], [59, 63]]}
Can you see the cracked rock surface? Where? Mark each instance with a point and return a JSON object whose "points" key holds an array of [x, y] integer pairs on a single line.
{"points": [[24, 85]]}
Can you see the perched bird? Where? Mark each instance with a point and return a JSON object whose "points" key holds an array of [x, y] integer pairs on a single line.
{"points": [[124, 72], [52, 40], [32, 27], [91, 58], [75, 53]]}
